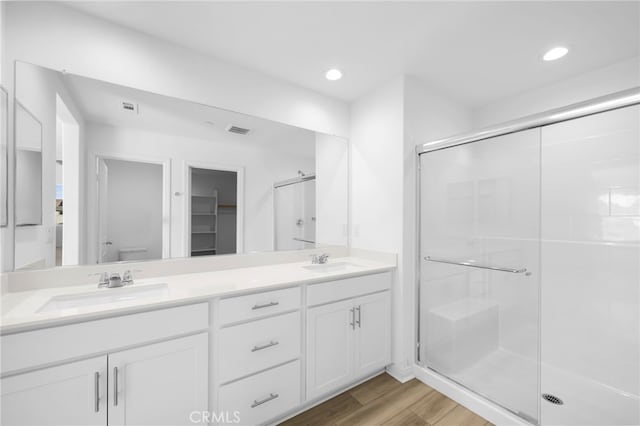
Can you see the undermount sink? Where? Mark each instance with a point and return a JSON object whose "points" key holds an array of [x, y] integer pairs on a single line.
{"points": [[333, 267], [105, 296]]}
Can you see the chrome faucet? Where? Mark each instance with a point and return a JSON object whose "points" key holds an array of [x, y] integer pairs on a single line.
{"points": [[114, 280], [103, 281], [127, 277], [319, 259]]}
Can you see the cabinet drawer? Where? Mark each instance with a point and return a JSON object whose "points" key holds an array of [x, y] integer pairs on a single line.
{"points": [[331, 291], [254, 346], [263, 397], [258, 305]]}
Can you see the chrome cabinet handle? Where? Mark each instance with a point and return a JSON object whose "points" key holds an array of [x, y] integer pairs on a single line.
{"points": [[358, 321], [115, 386], [353, 318], [266, 305], [96, 380], [271, 397], [474, 265], [268, 345]]}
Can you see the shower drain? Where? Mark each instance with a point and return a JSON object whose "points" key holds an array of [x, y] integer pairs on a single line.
{"points": [[552, 399]]}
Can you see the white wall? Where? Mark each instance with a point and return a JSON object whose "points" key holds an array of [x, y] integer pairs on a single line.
{"points": [[376, 204], [603, 81], [134, 212], [385, 127], [92, 47], [332, 191], [36, 89], [263, 162]]}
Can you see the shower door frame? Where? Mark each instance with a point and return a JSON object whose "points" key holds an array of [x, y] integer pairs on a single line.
{"points": [[617, 100], [280, 184]]}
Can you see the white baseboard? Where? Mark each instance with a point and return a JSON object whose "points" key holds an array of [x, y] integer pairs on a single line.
{"points": [[402, 375], [479, 405]]}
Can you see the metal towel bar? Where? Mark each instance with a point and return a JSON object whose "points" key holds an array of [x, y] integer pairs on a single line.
{"points": [[302, 240], [474, 265]]}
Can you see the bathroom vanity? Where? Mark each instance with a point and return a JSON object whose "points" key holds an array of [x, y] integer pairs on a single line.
{"points": [[248, 345]]}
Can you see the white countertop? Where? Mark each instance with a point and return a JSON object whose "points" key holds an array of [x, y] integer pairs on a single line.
{"points": [[20, 310]]}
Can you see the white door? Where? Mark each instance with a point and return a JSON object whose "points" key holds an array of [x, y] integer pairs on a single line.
{"points": [[103, 236], [330, 331], [66, 395], [159, 384], [373, 333]]}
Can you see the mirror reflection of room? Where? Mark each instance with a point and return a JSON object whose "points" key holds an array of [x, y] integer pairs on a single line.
{"points": [[295, 212], [214, 211], [107, 173]]}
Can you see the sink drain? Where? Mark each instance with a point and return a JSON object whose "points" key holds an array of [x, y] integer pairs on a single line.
{"points": [[552, 399]]}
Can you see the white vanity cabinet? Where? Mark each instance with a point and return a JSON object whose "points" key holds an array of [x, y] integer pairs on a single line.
{"points": [[347, 339], [259, 360], [157, 383], [252, 358], [71, 394]]}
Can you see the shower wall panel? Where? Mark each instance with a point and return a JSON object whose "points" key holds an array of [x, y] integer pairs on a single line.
{"points": [[591, 269]]}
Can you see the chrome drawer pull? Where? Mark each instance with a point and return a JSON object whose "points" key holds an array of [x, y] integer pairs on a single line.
{"points": [[271, 397], [96, 396], [268, 345], [358, 321], [353, 318], [266, 305]]}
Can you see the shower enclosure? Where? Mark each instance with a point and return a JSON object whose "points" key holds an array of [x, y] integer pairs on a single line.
{"points": [[529, 289], [295, 213]]}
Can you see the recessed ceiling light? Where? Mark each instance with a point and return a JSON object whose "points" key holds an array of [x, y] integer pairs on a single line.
{"points": [[555, 53], [333, 74]]}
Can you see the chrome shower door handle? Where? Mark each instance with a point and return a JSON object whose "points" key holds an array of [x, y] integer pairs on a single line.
{"points": [[474, 265]]}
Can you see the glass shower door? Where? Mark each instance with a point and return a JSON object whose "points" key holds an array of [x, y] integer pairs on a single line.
{"points": [[479, 244], [295, 215]]}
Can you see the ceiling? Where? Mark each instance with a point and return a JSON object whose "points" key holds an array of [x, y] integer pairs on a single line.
{"points": [[475, 52], [101, 102]]}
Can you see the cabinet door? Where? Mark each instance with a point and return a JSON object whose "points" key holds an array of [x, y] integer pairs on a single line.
{"points": [[66, 395], [373, 333], [329, 347], [159, 384]]}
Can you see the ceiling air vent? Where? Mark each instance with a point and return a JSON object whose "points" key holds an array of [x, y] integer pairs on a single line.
{"points": [[238, 130], [128, 106]]}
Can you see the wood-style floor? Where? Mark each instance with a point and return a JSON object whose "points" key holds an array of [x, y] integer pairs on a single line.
{"points": [[385, 401]]}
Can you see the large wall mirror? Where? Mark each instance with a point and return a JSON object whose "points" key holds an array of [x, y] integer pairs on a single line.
{"points": [[121, 174]]}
